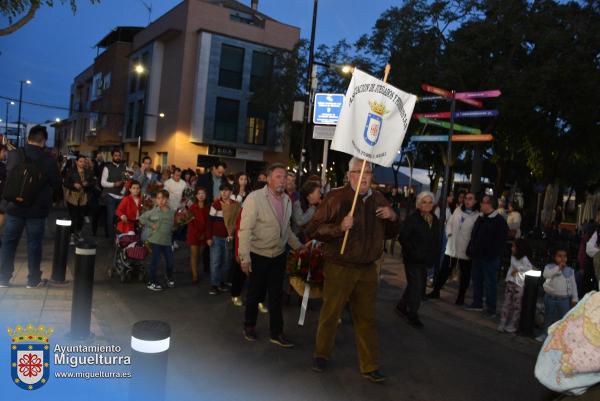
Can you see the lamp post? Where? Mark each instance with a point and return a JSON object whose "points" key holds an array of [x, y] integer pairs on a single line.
{"points": [[28, 82], [11, 103], [139, 70], [311, 56]]}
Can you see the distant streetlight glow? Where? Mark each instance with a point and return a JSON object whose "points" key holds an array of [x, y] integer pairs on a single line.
{"points": [[139, 69], [57, 119], [161, 115], [12, 103], [347, 69], [28, 82]]}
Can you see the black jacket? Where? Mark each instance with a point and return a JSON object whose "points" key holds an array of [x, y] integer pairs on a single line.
{"points": [[73, 177], [421, 244], [488, 238], [51, 182], [206, 181]]}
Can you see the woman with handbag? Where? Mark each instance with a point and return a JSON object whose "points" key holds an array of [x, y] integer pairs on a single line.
{"points": [[197, 231], [78, 183]]}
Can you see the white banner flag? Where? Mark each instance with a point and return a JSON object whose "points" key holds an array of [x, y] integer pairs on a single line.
{"points": [[373, 120]]}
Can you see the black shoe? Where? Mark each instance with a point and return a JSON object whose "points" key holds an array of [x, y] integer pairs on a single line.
{"points": [[154, 287], [459, 302], [250, 334], [39, 284], [375, 376], [401, 310], [474, 307], [416, 322], [433, 295], [282, 341], [319, 364], [489, 315], [223, 288], [214, 290]]}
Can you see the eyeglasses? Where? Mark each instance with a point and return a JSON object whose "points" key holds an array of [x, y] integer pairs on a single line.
{"points": [[358, 172]]}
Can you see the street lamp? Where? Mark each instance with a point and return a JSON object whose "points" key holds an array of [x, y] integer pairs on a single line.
{"points": [[139, 70], [11, 103], [57, 119], [28, 82]]}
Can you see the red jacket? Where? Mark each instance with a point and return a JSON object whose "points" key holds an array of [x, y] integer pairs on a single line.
{"points": [[128, 208], [197, 231]]}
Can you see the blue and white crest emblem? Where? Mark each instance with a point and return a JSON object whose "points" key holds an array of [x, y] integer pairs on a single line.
{"points": [[374, 122], [30, 356]]}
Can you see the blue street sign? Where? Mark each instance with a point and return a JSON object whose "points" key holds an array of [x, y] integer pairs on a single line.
{"points": [[328, 107]]}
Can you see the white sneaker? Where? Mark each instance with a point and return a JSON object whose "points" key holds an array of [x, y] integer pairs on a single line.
{"points": [[237, 301], [262, 308], [87, 220]]}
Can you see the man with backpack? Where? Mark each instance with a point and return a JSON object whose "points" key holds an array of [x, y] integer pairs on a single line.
{"points": [[32, 178]]}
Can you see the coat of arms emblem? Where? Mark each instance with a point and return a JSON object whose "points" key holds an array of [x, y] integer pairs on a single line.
{"points": [[374, 122], [30, 356]]}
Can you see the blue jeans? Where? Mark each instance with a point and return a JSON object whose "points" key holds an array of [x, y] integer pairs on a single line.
{"points": [[11, 236], [556, 309], [157, 250], [484, 276], [111, 208], [220, 261]]}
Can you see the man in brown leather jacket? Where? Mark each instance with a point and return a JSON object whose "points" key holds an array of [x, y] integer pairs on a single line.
{"points": [[352, 277]]}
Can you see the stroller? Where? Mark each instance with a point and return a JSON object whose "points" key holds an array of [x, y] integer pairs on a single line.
{"points": [[128, 261]]}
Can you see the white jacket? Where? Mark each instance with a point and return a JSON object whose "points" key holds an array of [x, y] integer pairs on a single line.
{"points": [[591, 247], [458, 230]]}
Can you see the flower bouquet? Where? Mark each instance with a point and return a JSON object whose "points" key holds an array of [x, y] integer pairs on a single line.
{"points": [[307, 268], [187, 198], [183, 217], [126, 177]]}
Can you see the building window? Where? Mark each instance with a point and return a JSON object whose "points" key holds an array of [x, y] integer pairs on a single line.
{"points": [[141, 113], [106, 81], [143, 77], [262, 69], [129, 126], [133, 76], [226, 119], [163, 159], [256, 125], [231, 67]]}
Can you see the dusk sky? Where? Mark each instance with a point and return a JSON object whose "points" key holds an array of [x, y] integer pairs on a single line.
{"points": [[57, 45]]}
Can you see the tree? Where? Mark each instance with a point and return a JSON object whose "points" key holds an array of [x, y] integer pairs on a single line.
{"points": [[20, 12]]}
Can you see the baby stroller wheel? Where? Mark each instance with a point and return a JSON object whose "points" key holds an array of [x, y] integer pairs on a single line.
{"points": [[124, 275]]}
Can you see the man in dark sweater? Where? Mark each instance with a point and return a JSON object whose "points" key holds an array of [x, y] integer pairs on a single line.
{"points": [[31, 218], [488, 241]]}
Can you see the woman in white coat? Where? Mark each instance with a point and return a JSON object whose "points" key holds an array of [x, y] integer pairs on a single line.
{"points": [[458, 230]]}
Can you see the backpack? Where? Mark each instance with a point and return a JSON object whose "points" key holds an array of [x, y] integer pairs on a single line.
{"points": [[23, 183]]}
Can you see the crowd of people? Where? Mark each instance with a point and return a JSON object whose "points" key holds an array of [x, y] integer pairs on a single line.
{"points": [[241, 230]]}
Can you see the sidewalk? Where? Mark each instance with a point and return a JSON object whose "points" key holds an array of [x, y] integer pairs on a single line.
{"points": [[458, 356]]}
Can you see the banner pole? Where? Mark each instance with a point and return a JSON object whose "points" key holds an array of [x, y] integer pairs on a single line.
{"points": [[362, 171]]}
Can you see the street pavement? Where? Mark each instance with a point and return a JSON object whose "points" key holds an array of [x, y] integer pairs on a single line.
{"points": [[458, 356]]}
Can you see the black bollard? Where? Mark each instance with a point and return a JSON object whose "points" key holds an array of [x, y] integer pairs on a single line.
{"points": [[529, 302], [83, 287], [150, 341], [61, 249]]}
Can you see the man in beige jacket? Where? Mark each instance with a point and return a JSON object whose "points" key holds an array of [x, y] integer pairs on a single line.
{"points": [[264, 232]]}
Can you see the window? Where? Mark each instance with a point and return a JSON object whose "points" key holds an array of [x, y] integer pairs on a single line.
{"points": [[129, 125], [106, 81], [226, 119], [141, 114], [143, 77], [262, 69], [133, 76], [256, 125], [231, 67], [163, 159], [96, 88], [93, 123]]}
